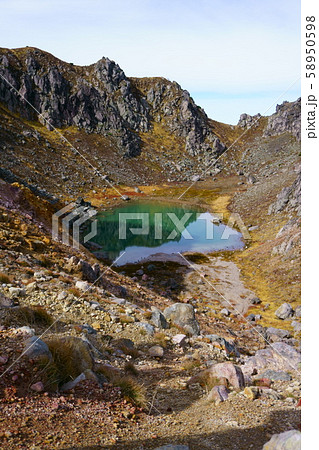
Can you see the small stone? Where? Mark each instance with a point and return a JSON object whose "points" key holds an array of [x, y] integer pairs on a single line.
{"points": [[82, 285], [225, 312], [25, 331], [183, 315], [284, 311], [255, 301], [180, 339], [146, 327], [251, 392], [31, 287], [156, 351], [37, 387], [16, 292], [62, 295], [3, 359]]}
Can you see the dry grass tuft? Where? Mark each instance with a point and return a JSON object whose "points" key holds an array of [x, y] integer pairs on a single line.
{"points": [[126, 319], [4, 278], [191, 364], [30, 316], [131, 390], [130, 368], [71, 357], [161, 339]]}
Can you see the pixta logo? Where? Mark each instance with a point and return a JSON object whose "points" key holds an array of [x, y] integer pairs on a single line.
{"points": [[72, 217]]}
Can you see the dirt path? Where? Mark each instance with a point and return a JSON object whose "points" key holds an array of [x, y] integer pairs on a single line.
{"points": [[222, 282]]}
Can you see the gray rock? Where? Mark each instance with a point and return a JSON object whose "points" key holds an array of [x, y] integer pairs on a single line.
{"points": [[183, 315], [287, 118], [16, 292], [288, 199], [251, 179], [158, 318], [275, 375], [289, 440], [156, 351], [225, 312], [25, 331], [297, 326], [71, 384], [298, 311], [278, 332], [62, 295], [35, 348], [83, 285], [147, 327], [284, 311]]}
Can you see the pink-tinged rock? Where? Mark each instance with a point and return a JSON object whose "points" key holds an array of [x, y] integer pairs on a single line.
{"points": [[144, 277], [15, 378], [37, 387], [229, 371], [288, 440], [277, 356], [3, 359], [218, 394], [179, 339]]}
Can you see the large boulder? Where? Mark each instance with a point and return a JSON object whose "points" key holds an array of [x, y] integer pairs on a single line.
{"points": [[183, 315], [277, 356], [232, 373], [289, 440]]}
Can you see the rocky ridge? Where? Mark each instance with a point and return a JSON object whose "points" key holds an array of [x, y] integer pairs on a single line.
{"points": [[101, 99]]}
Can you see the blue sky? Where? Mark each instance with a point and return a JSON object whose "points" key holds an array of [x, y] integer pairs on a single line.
{"points": [[233, 56]]}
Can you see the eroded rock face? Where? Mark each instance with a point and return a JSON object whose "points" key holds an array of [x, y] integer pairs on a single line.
{"points": [[100, 98], [289, 199], [286, 118]]}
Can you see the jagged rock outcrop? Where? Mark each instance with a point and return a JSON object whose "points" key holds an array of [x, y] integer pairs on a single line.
{"points": [[288, 199], [286, 118], [101, 99], [247, 121]]}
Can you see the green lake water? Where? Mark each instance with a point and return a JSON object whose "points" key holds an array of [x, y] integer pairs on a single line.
{"points": [[135, 231]]}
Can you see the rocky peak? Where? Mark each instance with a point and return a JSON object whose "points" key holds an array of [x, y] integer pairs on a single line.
{"points": [[286, 118], [101, 99]]}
